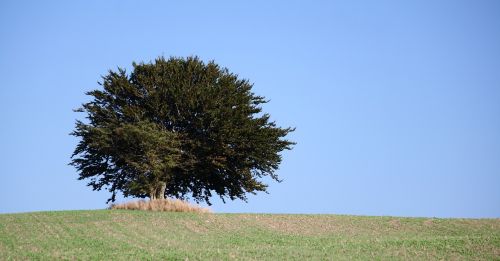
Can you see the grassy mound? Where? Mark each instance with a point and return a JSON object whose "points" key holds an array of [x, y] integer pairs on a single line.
{"points": [[148, 235], [169, 205]]}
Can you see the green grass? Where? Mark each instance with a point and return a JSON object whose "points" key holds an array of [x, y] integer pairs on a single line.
{"points": [[126, 235]]}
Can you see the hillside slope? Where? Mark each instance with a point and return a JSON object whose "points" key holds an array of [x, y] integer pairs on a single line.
{"points": [[121, 234]]}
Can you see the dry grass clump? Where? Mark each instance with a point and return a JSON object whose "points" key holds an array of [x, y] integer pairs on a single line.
{"points": [[171, 205]]}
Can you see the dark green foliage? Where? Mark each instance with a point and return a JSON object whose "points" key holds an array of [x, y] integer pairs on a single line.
{"points": [[192, 127]]}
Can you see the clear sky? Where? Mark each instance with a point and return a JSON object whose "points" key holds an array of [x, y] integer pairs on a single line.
{"points": [[396, 103]]}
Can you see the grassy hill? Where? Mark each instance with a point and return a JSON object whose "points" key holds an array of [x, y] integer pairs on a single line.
{"points": [[125, 234]]}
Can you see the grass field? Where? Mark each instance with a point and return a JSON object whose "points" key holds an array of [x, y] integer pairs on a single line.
{"points": [[125, 235]]}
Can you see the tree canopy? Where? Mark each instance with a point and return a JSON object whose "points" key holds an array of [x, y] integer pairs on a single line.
{"points": [[177, 127]]}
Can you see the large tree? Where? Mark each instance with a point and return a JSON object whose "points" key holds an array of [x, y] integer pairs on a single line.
{"points": [[178, 127]]}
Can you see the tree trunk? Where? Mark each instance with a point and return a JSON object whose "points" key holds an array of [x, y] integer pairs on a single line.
{"points": [[158, 191], [152, 194]]}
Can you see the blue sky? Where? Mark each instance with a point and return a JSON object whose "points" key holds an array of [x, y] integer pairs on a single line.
{"points": [[396, 103]]}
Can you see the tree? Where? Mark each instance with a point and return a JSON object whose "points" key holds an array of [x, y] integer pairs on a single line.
{"points": [[177, 127]]}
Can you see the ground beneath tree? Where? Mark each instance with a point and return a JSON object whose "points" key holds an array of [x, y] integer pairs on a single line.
{"points": [[125, 235]]}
